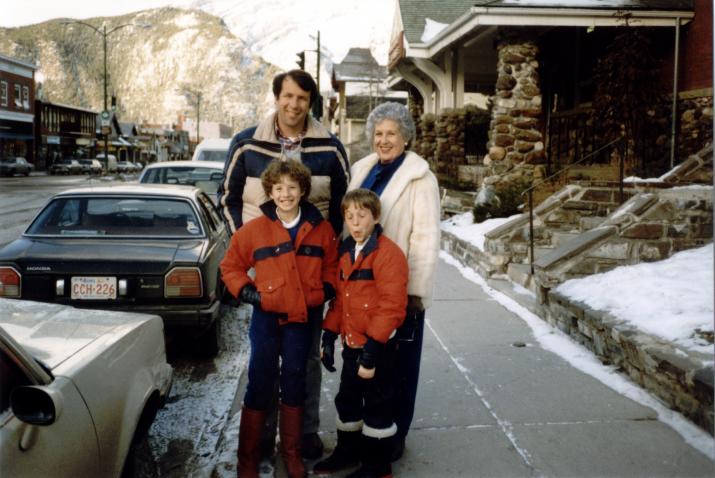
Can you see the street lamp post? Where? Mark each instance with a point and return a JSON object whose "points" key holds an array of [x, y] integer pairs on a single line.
{"points": [[105, 34]]}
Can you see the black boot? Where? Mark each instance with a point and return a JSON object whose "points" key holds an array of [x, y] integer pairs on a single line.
{"points": [[311, 446], [375, 457], [346, 454]]}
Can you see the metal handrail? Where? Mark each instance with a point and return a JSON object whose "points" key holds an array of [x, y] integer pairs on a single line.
{"points": [[530, 191]]}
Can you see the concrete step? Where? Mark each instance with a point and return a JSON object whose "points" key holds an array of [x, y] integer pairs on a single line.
{"points": [[562, 237], [519, 274]]}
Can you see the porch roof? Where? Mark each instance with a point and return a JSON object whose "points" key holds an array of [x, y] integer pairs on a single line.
{"points": [[480, 15]]}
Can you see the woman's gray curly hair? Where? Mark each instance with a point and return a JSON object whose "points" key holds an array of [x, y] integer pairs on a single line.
{"points": [[396, 112]]}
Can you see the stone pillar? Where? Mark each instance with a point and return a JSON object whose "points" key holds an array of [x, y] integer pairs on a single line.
{"points": [[515, 137]]}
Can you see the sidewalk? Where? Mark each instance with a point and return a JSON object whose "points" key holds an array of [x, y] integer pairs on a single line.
{"points": [[493, 402]]}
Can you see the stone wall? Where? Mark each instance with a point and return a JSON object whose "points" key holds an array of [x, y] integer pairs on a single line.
{"points": [[696, 122], [681, 378], [441, 141], [648, 227]]}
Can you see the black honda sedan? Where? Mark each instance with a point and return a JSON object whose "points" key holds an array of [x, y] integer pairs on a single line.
{"points": [[143, 248]]}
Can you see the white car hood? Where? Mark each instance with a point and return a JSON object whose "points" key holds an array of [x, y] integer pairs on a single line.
{"points": [[53, 333]]}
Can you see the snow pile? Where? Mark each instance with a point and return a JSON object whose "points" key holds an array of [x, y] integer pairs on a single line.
{"points": [[463, 226], [670, 299], [432, 29]]}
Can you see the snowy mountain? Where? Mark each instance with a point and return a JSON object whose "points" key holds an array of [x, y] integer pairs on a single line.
{"points": [[228, 50], [150, 70], [278, 29]]}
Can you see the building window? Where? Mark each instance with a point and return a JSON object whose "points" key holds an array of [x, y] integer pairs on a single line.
{"points": [[18, 96], [3, 93], [26, 97]]}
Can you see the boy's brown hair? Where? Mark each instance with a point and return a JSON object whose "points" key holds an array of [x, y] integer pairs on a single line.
{"points": [[363, 199], [293, 169]]}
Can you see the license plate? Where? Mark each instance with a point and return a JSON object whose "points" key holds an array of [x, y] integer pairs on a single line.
{"points": [[94, 288]]}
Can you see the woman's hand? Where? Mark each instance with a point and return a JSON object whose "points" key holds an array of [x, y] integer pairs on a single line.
{"points": [[366, 373]]}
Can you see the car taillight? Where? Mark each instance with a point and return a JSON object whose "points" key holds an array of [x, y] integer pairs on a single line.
{"points": [[10, 281], [183, 282]]}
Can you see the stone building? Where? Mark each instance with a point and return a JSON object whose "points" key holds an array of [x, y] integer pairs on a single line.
{"points": [[539, 61]]}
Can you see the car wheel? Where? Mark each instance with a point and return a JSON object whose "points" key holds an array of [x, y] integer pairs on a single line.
{"points": [[208, 342], [139, 456]]}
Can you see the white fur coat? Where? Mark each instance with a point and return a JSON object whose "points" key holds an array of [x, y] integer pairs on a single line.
{"points": [[410, 217]]}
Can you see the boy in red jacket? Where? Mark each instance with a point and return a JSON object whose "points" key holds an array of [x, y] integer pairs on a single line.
{"points": [[294, 253], [369, 307]]}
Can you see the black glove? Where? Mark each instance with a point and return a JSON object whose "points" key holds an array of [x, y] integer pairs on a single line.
{"points": [[328, 292], [250, 295], [328, 349], [414, 304], [370, 352]]}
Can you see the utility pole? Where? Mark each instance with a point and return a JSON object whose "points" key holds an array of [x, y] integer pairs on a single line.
{"points": [[105, 116], [194, 97], [318, 105]]}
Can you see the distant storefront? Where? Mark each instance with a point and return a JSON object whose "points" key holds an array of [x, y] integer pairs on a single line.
{"points": [[64, 132], [17, 94]]}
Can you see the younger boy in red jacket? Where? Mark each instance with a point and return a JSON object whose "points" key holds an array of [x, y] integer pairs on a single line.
{"points": [[294, 253], [369, 306]]}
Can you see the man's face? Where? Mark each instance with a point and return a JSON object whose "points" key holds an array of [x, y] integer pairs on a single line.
{"points": [[293, 104], [360, 222]]}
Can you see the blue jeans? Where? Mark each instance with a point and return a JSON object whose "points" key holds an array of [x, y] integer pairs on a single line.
{"points": [[270, 342], [407, 369]]}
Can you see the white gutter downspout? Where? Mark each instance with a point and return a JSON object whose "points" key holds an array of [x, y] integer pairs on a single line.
{"points": [[674, 109]]}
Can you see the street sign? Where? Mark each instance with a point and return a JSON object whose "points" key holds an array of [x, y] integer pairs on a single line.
{"points": [[105, 118], [106, 130]]}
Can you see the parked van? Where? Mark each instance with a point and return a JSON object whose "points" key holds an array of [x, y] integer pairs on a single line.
{"points": [[110, 165], [214, 149]]}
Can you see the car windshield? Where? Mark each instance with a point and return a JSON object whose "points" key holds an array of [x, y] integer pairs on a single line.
{"points": [[116, 216], [206, 179], [212, 155]]}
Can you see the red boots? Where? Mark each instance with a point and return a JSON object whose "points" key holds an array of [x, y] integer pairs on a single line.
{"points": [[249, 435], [290, 425]]}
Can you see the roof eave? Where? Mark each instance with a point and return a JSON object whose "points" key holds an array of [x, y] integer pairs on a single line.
{"points": [[557, 17]]}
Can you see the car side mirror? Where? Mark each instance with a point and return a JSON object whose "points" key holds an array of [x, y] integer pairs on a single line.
{"points": [[36, 405]]}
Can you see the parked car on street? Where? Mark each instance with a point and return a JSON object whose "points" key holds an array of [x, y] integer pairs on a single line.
{"points": [[17, 165], [214, 149], [205, 175], [125, 167], [91, 166], [110, 164], [143, 248], [66, 166], [78, 389]]}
